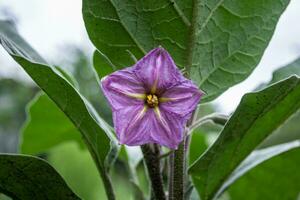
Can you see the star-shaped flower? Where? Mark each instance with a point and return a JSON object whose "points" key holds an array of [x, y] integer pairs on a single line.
{"points": [[151, 101]]}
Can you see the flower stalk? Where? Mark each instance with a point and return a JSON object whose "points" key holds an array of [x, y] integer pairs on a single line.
{"points": [[151, 157], [178, 173]]}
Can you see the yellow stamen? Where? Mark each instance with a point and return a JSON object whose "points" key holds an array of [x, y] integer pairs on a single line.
{"points": [[152, 100]]}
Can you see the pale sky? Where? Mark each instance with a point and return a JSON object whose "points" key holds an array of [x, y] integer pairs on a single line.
{"points": [[49, 24]]}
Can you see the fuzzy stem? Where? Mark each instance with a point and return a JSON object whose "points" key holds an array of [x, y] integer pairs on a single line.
{"points": [[152, 161], [178, 173], [170, 178]]}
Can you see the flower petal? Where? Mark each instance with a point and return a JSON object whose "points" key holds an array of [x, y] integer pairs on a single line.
{"points": [[181, 99], [122, 88], [157, 71], [137, 125], [167, 128], [132, 125]]}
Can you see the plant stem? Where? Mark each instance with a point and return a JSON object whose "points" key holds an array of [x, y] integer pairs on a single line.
{"points": [[178, 173], [152, 161], [171, 172]]}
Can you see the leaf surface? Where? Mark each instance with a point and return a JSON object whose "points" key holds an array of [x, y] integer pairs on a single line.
{"points": [[96, 133], [220, 42], [276, 178], [44, 131], [256, 117], [27, 178]]}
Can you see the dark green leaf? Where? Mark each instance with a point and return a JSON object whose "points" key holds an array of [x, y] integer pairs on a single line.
{"points": [[27, 178], [102, 65], [290, 130], [44, 131], [255, 159], [257, 116], [95, 133], [275, 179], [219, 41]]}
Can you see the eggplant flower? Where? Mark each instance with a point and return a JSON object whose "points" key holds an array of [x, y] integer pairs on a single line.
{"points": [[151, 101]]}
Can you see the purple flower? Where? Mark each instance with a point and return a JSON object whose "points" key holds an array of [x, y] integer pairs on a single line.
{"points": [[151, 101]]}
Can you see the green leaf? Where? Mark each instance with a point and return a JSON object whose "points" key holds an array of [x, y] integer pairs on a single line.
{"points": [[78, 170], [44, 131], [255, 159], [290, 130], [286, 71], [256, 117], [276, 178], [220, 42], [197, 146], [76, 167], [96, 134], [27, 178], [102, 65]]}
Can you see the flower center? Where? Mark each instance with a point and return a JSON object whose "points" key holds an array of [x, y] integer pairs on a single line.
{"points": [[152, 100]]}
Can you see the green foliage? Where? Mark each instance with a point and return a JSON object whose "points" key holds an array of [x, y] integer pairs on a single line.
{"points": [[44, 131], [61, 92], [219, 42], [78, 170], [286, 71], [27, 178], [101, 65], [257, 116], [290, 130], [98, 134], [275, 179]]}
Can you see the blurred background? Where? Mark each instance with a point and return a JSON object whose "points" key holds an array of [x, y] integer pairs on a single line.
{"points": [[55, 28]]}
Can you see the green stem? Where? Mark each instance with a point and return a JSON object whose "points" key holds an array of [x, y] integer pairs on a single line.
{"points": [[171, 172], [152, 161], [178, 173]]}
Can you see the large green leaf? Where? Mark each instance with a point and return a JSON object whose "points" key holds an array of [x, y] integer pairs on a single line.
{"points": [[220, 41], [44, 131], [255, 159], [28, 178], [256, 117], [275, 179], [290, 130], [95, 131]]}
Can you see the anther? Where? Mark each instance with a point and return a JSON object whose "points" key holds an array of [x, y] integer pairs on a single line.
{"points": [[152, 100]]}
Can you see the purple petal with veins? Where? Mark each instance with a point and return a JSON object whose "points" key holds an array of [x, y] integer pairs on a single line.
{"points": [[151, 101]]}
